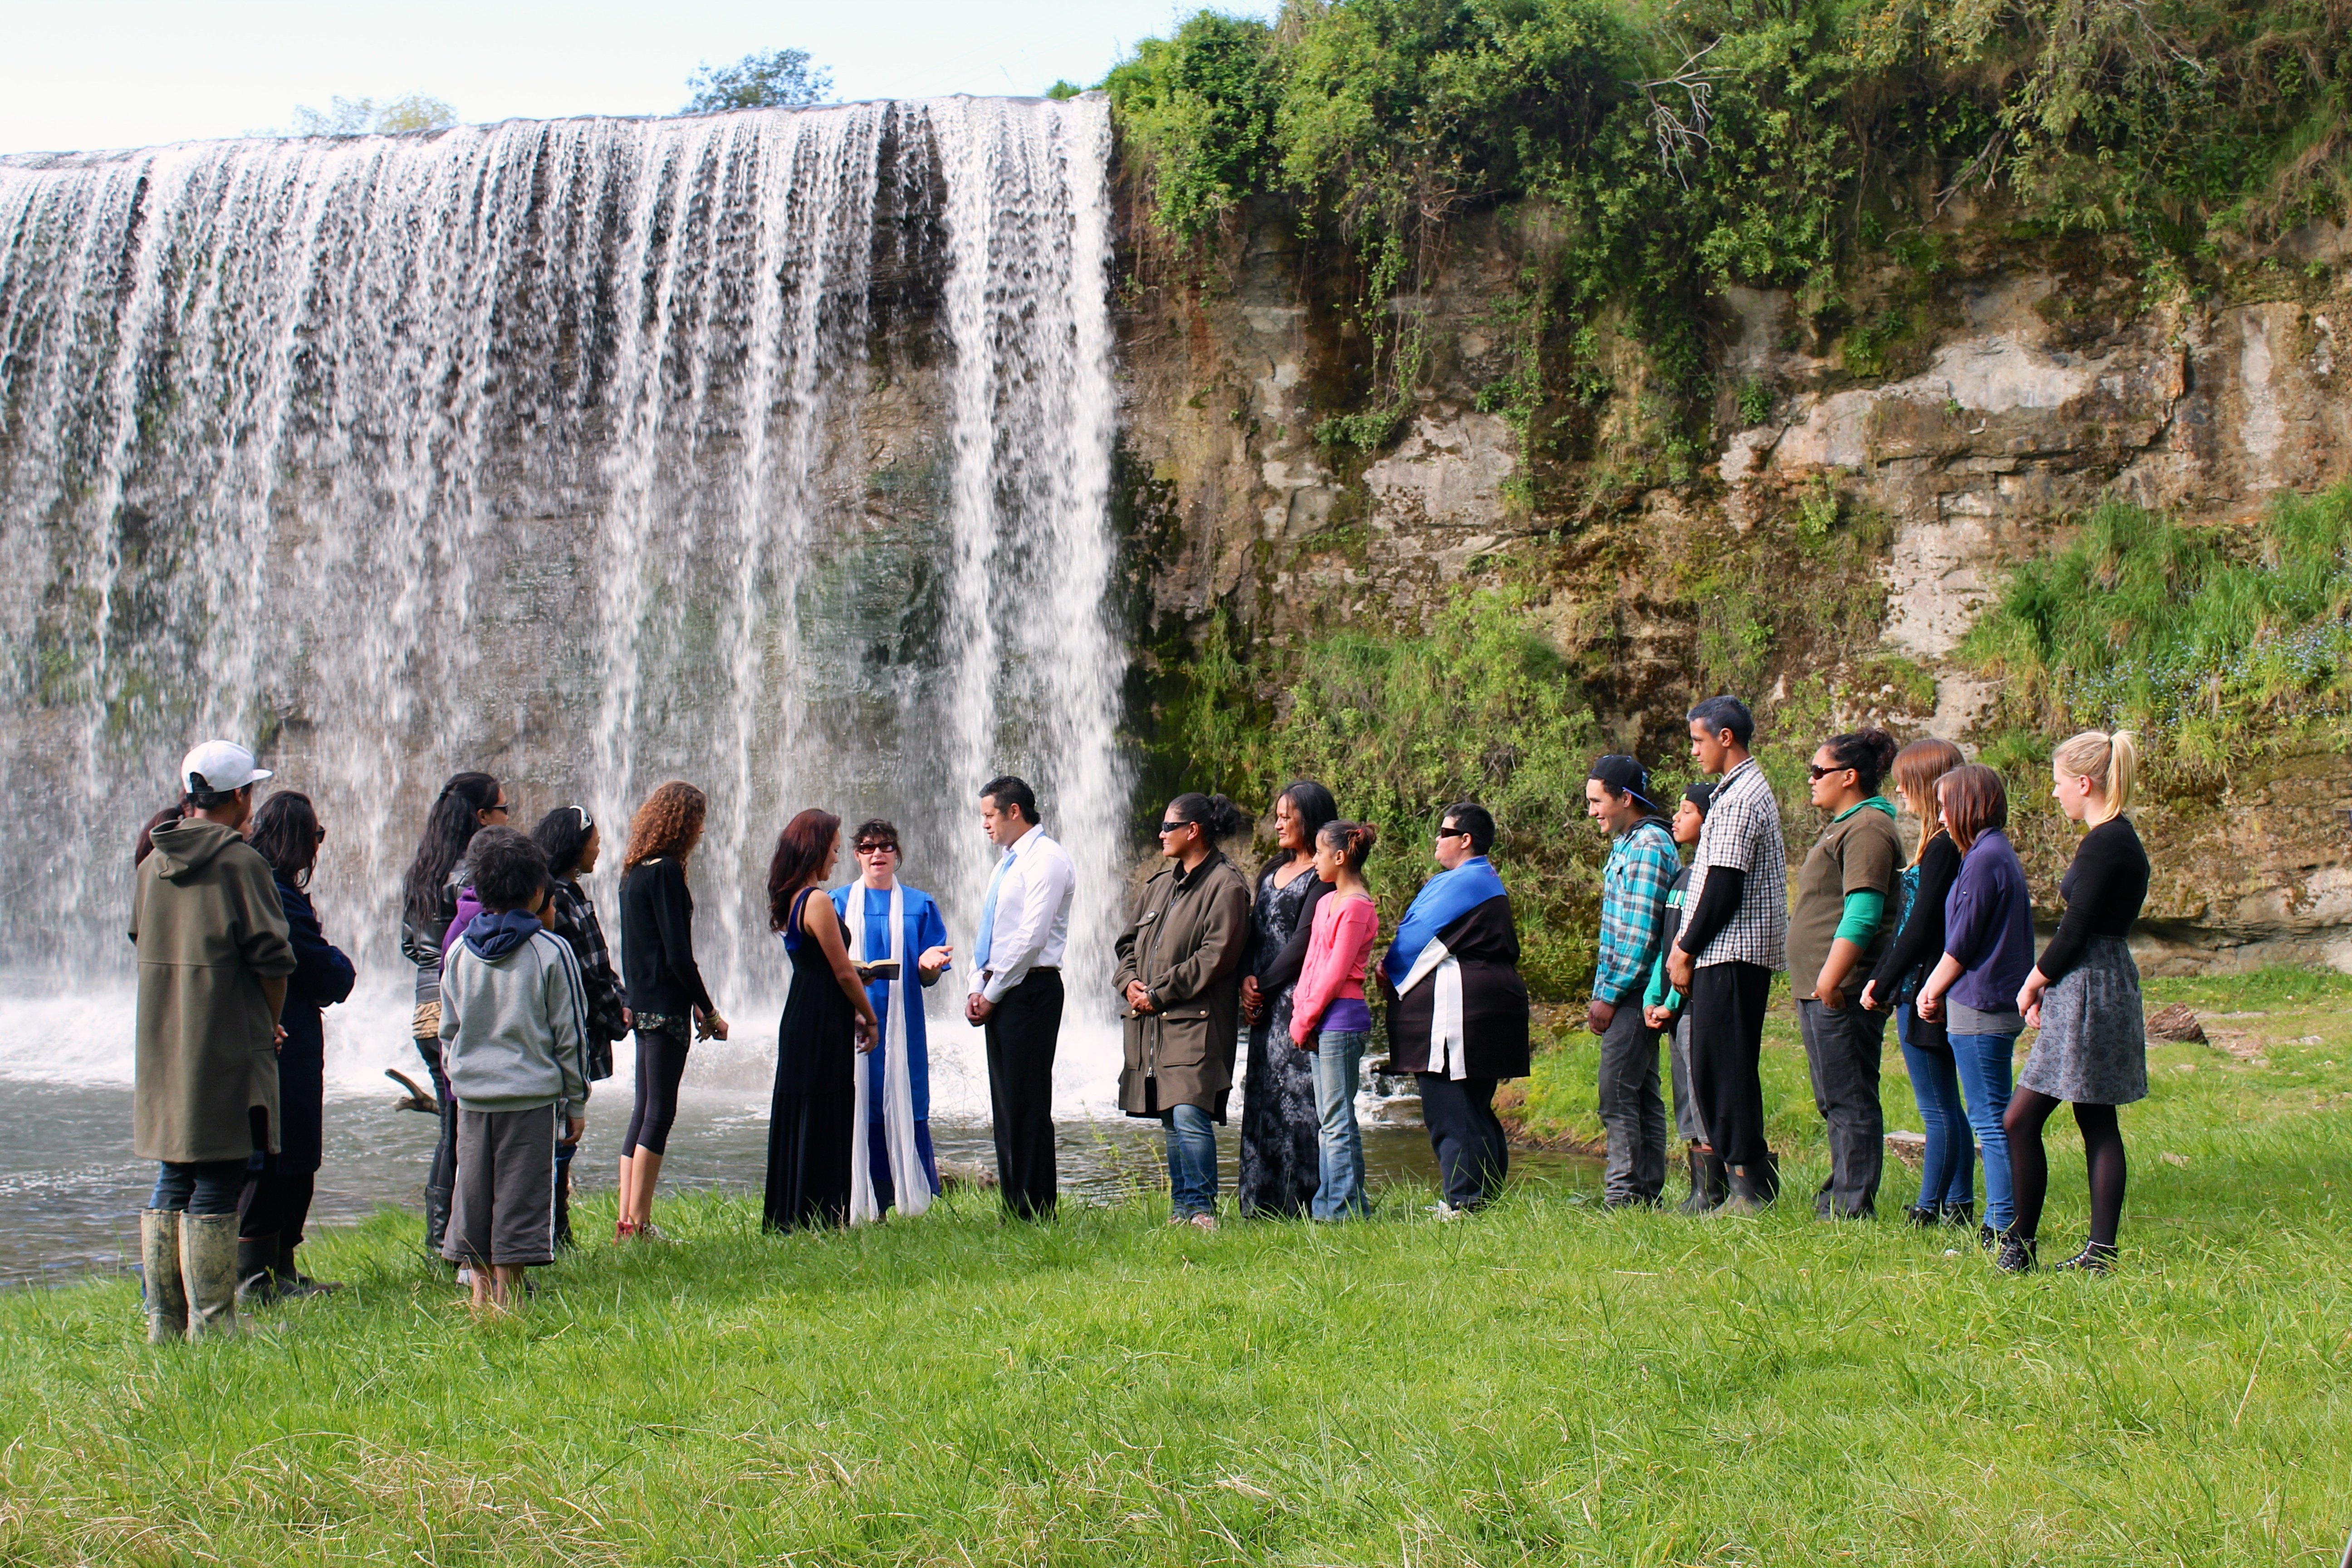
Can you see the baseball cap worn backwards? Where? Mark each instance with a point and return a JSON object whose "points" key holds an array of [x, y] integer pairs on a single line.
{"points": [[220, 767], [1624, 774]]}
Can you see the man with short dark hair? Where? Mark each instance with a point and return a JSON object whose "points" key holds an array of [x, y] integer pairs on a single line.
{"points": [[1016, 990], [1643, 865], [1734, 936]]}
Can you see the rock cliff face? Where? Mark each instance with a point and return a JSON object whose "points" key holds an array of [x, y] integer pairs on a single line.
{"points": [[2022, 387]]}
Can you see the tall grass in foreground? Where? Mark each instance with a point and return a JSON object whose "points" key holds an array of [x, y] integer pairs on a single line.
{"points": [[1543, 1384]]}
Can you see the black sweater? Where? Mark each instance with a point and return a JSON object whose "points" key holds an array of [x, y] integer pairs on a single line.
{"points": [[2104, 890], [657, 941], [1921, 940]]}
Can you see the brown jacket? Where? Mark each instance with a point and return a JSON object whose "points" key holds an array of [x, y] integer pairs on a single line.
{"points": [[1185, 943], [210, 928]]}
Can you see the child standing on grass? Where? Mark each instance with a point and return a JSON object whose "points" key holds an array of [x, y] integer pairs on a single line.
{"points": [[1329, 1015], [1662, 1007], [514, 1039]]}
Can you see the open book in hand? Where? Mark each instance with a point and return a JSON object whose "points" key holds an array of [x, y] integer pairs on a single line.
{"points": [[880, 969]]}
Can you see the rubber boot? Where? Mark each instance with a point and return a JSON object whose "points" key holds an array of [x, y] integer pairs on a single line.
{"points": [[1706, 1182], [159, 1267], [1750, 1191], [256, 1259], [208, 1268]]}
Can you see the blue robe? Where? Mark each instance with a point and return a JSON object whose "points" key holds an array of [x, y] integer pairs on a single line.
{"points": [[926, 929]]}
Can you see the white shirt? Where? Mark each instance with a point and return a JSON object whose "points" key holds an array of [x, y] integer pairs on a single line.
{"points": [[1033, 915]]}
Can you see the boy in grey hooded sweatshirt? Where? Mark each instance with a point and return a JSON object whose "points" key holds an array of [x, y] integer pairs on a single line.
{"points": [[514, 1041]]}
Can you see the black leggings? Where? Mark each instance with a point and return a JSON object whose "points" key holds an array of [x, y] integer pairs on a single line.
{"points": [[2102, 1152], [661, 1062]]}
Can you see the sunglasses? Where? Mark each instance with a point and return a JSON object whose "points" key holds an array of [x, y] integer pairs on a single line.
{"points": [[876, 849], [1818, 773], [1453, 833], [1168, 827]]}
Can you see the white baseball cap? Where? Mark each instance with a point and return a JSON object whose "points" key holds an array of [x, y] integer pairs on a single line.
{"points": [[220, 767]]}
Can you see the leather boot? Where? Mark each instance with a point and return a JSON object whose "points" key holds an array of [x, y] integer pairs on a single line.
{"points": [[208, 1268], [1706, 1182], [292, 1282], [1750, 1189], [256, 1259], [158, 1269]]}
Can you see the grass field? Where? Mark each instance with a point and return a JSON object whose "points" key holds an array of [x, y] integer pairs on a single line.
{"points": [[1543, 1384]]}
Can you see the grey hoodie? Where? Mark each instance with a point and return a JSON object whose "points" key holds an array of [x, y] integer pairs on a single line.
{"points": [[513, 1034]]}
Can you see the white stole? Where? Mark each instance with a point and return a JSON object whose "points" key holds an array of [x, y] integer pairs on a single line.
{"points": [[911, 1186], [1448, 1053]]}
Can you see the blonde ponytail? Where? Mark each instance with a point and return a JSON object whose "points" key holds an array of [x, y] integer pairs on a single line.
{"points": [[2112, 759]]}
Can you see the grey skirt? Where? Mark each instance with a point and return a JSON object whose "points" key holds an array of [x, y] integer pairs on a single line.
{"points": [[2093, 1049]]}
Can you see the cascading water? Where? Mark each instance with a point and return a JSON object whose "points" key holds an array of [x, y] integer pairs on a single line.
{"points": [[768, 450]]}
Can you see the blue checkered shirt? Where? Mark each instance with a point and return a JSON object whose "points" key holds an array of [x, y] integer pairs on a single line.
{"points": [[1643, 865]]}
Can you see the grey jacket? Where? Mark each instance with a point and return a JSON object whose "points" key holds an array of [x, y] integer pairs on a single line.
{"points": [[513, 1029]]}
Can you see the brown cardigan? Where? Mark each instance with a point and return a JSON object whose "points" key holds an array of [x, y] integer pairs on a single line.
{"points": [[1185, 945]]}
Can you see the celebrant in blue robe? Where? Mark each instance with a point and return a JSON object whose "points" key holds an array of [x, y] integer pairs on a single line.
{"points": [[1458, 1022], [892, 1163]]}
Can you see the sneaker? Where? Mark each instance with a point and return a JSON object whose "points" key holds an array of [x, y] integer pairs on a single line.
{"points": [[1202, 1221], [466, 1276], [2016, 1255], [1448, 1211], [1990, 1238], [2096, 1258]]}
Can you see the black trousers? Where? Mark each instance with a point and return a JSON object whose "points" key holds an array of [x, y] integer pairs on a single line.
{"points": [[1022, 1034], [1726, 1014], [441, 1175], [1842, 1048], [1473, 1154]]}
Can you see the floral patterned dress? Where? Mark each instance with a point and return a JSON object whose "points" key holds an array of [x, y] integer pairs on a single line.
{"points": [[1279, 1125]]}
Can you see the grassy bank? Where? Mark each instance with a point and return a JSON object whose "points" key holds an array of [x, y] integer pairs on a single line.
{"points": [[1543, 1384]]}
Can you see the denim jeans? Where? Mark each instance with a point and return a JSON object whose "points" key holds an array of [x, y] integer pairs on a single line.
{"points": [[1192, 1160], [1340, 1143], [1946, 1176], [1983, 1061], [199, 1186]]}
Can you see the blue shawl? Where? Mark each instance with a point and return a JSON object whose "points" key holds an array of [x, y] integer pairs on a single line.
{"points": [[1442, 900]]}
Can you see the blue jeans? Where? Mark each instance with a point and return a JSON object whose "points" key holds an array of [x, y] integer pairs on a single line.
{"points": [[1192, 1160], [1340, 1143], [1951, 1152], [198, 1186], [1983, 1061]]}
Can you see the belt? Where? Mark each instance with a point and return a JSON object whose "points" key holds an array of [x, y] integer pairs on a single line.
{"points": [[1033, 969]]}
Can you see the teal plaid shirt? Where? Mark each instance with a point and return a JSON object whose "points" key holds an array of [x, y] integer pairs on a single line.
{"points": [[1642, 864]]}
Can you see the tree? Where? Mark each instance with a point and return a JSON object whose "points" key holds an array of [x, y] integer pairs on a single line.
{"points": [[780, 78], [358, 116]]}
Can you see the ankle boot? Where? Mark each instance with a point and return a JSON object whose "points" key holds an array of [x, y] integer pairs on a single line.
{"points": [[256, 1259], [2096, 1258], [1706, 1182], [1961, 1214], [1749, 1192], [1923, 1216], [208, 1268], [290, 1281], [158, 1269], [2016, 1254]]}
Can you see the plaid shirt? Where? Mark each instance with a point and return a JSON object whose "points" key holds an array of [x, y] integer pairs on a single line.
{"points": [[1743, 831], [1642, 869], [574, 920]]}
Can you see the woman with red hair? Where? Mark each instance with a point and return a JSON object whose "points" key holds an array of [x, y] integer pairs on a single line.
{"points": [[828, 1019]]}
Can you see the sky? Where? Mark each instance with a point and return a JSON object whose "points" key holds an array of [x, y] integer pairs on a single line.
{"points": [[83, 74]]}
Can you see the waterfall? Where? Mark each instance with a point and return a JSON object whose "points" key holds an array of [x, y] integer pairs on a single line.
{"points": [[769, 450]]}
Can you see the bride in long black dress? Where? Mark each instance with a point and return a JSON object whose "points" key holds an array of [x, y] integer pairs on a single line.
{"points": [[827, 1021]]}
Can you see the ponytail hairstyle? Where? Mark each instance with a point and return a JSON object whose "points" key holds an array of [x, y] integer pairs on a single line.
{"points": [[449, 827], [1217, 817], [2111, 760], [1917, 766], [1353, 840], [1869, 753], [285, 832], [665, 823]]}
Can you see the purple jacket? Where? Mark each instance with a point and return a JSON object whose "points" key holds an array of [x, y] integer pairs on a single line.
{"points": [[469, 906], [1988, 926]]}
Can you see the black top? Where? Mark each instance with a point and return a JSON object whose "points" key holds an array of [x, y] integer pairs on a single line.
{"points": [[817, 1039], [1486, 942], [1281, 967], [2104, 890], [657, 941], [1921, 940]]}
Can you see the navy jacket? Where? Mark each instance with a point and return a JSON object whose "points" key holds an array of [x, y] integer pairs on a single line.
{"points": [[322, 976]]}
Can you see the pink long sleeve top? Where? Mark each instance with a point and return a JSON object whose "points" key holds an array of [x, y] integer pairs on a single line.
{"points": [[1330, 992]]}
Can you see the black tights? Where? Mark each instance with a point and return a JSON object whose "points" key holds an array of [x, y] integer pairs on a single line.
{"points": [[2029, 1168]]}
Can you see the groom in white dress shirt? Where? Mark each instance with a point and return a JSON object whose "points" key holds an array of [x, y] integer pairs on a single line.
{"points": [[1016, 990]]}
